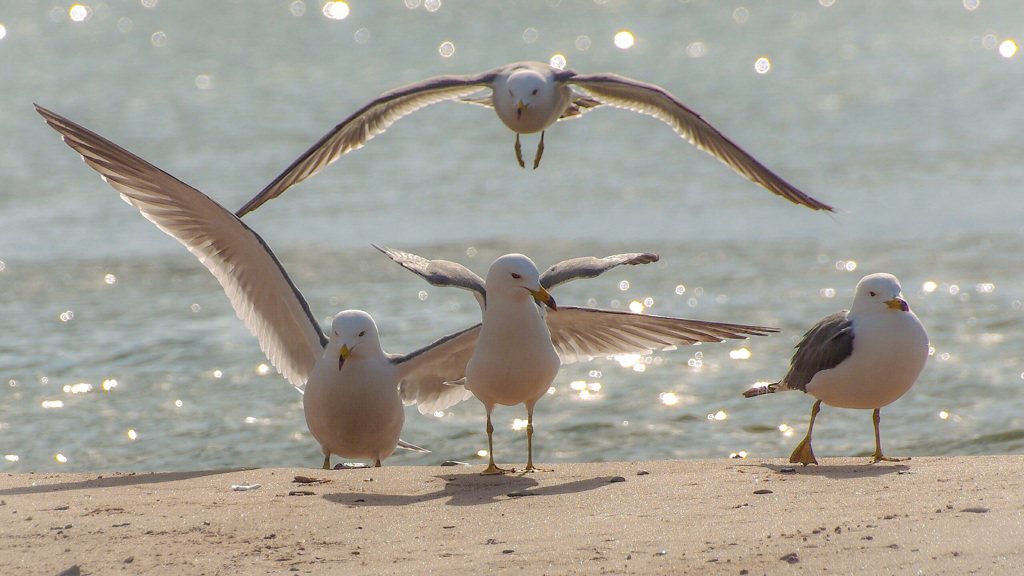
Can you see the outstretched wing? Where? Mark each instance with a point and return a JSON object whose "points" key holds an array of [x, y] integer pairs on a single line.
{"points": [[584, 333], [367, 122], [590, 267], [439, 272], [433, 376], [255, 282], [622, 92], [823, 347]]}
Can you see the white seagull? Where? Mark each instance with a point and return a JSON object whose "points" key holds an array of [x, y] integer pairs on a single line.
{"points": [[522, 345], [354, 391], [865, 357], [528, 97]]}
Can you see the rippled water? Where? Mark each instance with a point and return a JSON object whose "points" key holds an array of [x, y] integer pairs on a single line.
{"points": [[120, 351]]}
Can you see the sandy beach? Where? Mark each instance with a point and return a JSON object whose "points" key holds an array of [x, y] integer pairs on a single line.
{"points": [[948, 515]]}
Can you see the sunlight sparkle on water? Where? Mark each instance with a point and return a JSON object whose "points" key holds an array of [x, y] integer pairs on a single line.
{"points": [[668, 398], [929, 287], [740, 354], [741, 15], [362, 36], [262, 369], [583, 43], [178, 404], [636, 307], [943, 415], [481, 453], [432, 5], [149, 3], [624, 40], [530, 35], [557, 61], [827, 292], [52, 404], [762, 65], [3, 32], [696, 50], [109, 384], [740, 454], [110, 278], [67, 316], [132, 435], [79, 13], [80, 388], [159, 39], [848, 265], [720, 415], [1008, 48], [217, 374], [518, 424], [972, 4], [12, 457], [297, 8], [624, 285], [336, 10], [61, 458]]}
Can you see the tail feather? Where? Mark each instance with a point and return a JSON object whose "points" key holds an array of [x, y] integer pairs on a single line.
{"points": [[407, 446], [761, 388]]}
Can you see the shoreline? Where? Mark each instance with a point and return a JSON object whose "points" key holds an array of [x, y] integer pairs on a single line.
{"points": [[934, 515]]}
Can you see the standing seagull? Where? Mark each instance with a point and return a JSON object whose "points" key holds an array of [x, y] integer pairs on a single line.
{"points": [[522, 345], [528, 97], [354, 391], [864, 357]]}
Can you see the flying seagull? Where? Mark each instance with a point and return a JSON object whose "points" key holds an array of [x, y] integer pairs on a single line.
{"points": [[864, 357], [354, 391], [528, 97], [522, 345]]}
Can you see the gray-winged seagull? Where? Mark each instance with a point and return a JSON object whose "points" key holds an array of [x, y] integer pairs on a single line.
{"points": [[522, 345], [528, 97], [354, 391], [865, 357]]}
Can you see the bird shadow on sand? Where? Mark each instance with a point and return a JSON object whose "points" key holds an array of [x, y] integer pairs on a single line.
{"points": [[113, 480], [839, 471], [471, 489]]}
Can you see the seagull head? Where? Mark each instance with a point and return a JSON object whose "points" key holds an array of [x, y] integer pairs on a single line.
{"points": [[879, 292], [353, 333], [526, 105], [515, 276]]}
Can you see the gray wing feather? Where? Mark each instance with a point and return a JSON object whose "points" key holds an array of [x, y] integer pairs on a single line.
{"points": [[432, 376], [823, 347], [439, 272], [629, 94], [257, 285], [579, 333], [367, 122], [590, 267]]}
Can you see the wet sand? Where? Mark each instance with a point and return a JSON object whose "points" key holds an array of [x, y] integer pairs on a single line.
{"points": [[947, 515]]}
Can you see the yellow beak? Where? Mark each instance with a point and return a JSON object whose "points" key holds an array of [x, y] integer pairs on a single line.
{"points": [[542, 296], [342, 355], [898, 303]]}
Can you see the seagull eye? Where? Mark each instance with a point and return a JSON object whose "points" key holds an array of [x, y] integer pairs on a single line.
{"points": [[872, 294], [516, 276], [534, 91], [361, 334]]}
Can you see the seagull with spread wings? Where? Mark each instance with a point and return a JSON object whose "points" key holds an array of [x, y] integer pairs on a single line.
{"points": [[522, 345], [529, 97], [353, 390]]}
